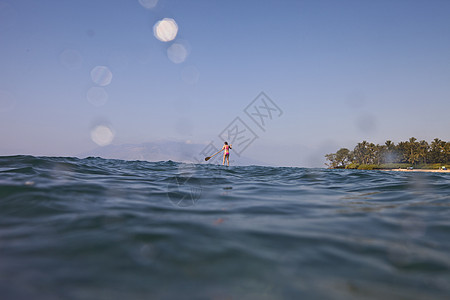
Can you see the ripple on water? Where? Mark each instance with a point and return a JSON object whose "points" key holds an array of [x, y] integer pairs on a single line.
{"points": [[111, 228]]}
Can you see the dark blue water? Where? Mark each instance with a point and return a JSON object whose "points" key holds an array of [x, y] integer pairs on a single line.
{"points": [[110, 229]]}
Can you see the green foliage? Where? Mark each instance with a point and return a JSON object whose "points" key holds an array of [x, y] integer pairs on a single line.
{"points": [[352, 166], [395, 166], [332, 162], [368, 156], [368, 167], [432, 166], [339, 159], [342, 157]]}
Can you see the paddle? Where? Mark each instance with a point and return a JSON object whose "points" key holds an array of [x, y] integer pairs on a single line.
{"points": [[209, 157]]}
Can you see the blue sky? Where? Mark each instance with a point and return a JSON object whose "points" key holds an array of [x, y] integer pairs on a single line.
{"points": [[341, 71]]}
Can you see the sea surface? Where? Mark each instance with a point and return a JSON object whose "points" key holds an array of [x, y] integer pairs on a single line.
{"points": [[110, 229]]}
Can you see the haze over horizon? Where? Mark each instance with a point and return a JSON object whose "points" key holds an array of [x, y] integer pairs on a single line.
{"points": [[288, 81]]}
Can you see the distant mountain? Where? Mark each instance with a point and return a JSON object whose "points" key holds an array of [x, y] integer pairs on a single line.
{"points": [[164, 151]]}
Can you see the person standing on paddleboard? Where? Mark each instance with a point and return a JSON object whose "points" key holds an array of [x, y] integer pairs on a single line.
{"points": [[226, 153]]}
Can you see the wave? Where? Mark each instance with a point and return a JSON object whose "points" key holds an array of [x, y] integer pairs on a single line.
{"points": [[101, 228]]}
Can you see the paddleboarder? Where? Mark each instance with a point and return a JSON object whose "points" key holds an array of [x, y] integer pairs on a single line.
{"points": [[226, 154]]}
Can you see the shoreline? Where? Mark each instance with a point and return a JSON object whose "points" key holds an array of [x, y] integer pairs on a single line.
{"points": [[417, 170]]}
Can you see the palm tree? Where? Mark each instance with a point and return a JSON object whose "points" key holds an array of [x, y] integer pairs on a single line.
{"points": [[423, 149], [389, 150], [389, 145], [361, 153], [446, 152], [437, 151], [402, 148], [372, 154], [380, 153], [412, 155]]}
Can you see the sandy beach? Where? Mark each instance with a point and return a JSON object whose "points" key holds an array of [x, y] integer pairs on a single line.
{"points": [[418, 170]]}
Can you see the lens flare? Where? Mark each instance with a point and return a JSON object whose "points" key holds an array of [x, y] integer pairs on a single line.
{"points": [[90, 33], [71, 59], [165, 30], [101, 75], [148, 4], [97, 96], [177, 53], [102, 135]]}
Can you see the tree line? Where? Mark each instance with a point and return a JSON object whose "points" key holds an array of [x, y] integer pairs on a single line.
{"points": [[411, 152]]}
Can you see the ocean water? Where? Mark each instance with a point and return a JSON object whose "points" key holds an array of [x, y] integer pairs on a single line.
{"points": [[110, 229]]}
